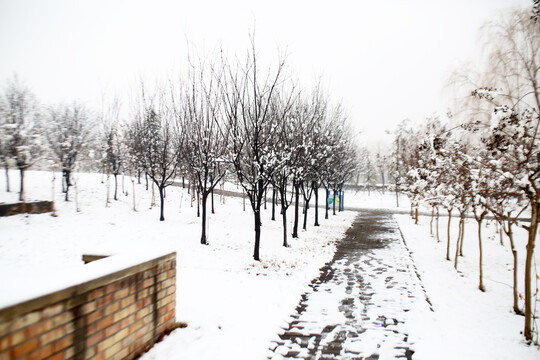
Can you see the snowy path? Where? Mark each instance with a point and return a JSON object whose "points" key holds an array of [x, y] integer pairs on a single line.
{"points": [[357, 308]]}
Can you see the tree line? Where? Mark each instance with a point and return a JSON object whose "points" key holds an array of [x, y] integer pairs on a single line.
{"points": [[484, 159], [218, 120]]}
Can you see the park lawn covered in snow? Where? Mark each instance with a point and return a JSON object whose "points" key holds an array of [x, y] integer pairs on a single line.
{"points": [[467, 323], [233, 305]]}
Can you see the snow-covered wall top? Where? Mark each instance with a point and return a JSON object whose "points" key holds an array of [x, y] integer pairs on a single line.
{"points": [[16, 289]]}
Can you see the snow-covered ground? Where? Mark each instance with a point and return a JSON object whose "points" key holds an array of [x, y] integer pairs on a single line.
{"points": [[235, 306], [467, 323]]}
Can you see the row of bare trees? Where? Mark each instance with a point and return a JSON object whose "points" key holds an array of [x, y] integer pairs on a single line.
{"points": [[485, 160], [220, 119]]}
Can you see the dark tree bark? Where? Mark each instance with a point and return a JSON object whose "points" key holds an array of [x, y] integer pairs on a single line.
{"points": [[162, 202], [316, 190], [7, 179], [296, 207], [327, 205], [273, 203], [448, 235], [21, 193], [203, 222]]}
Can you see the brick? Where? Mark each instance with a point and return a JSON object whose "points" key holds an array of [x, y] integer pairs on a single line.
{"points": [[69, 352], [103, 323], [121, 293], [62, 318], [143, 312], [148, 282], [96, 315], [41, 353], [58, 356], [124, 312], [94, 339], [39, 328], [104, 301], [127, 321], [25, 348], [106, 343], [90, 353], [52, 310], [5, 343], [25, 320], [4, 328], [113, 329], [112, 287], [63, 343], [96, 293], [69, 327], [113, 349], [127, 301], [122, 354], [121, 335], [89, 307], [135, 326], [112, 308], [17, 338], [52, 335]]}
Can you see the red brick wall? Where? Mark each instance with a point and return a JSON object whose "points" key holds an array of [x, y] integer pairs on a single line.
{"points": [[117, 316]]}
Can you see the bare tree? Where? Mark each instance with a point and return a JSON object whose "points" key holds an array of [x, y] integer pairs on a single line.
{"points": [[21, 137], [68, 133], [160, 144], [205, 137], [248, 97]]}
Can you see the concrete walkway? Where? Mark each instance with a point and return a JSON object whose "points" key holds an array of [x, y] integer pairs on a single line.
{"points": [[357, 308]]}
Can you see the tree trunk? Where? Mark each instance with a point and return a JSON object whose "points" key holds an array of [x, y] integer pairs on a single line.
{"points": [[116, 187], [334, 203], [284, 217], [457, 244], [437, 225], [198, 203], [416, 215], [67, 178], [273, 203], [306, 207], [265, 198], [462, 222], [203, 222], [528, 331], [296, 206], [21, 193], [213, 209], [7, 179], [397, 196], [431, 221], [327, 205], [448, 235], [316, 190], [481, 273], [257, 214], [283, 196], [108, 185], [162, 202], [134, 200], [510, 235], [146, 178], [53, 193]]}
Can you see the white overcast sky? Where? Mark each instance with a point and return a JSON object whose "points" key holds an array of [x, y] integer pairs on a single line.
{"points": [[386, 60]]}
